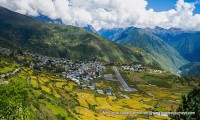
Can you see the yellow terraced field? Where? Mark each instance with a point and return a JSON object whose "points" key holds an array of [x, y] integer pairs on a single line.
{"points": [[34, 83], [46, 89], [33, 77], [50, 85], [108, 117], [82, 101], [110, 99], [60, 84], [86, 114], [43, 80], [64, 94], [89, 98], [56, 94], [103, 104], [135, 105], [29, 71], [70, 86], [92, 105], [37, 93], [57, 79]]}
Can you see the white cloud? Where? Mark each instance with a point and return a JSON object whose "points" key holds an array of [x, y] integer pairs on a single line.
{"points": [[109, 13]]}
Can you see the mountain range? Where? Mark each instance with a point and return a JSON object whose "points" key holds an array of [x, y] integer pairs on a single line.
{"points": [[57, 40], [137, 37], [187, 43], [90, 29], [47, 19], [151, 46]]}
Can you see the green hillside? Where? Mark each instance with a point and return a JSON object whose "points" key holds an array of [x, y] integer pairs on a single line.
{"points": [[19, 31], [187, 43], [191, 69], [164, 54]]}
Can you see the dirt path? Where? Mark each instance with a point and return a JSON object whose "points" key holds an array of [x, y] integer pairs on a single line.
{"points": [[7, 75]]}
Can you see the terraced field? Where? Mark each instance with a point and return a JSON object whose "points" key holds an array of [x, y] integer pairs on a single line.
{"points": [[6, 65], [65, 96], [51, 97], [165, 89]]}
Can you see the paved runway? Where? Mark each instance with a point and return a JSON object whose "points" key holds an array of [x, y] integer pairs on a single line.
{"points": [[123, 83]]}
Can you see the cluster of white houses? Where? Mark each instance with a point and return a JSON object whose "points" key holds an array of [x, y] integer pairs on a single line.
{"points": [[67, 68], [135, 68], [140, 68]]}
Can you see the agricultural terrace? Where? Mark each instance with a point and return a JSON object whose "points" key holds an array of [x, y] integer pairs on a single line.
{"points": [[48, 96]]}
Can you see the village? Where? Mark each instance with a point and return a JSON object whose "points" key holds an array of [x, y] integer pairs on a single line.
{"points": [[92, 85], [80, 72], [140, 68]]}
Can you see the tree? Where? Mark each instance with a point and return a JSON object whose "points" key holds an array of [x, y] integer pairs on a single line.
{"points": [[190, 103], [20, 52]]}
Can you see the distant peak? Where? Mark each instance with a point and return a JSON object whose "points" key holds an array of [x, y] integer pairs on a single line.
{"points": [[90, 28], [160, 28], [173, 28]]}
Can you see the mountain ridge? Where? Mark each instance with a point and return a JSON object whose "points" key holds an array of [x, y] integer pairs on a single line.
{"points": [[20, 31], [153, 45], [187, 43]]}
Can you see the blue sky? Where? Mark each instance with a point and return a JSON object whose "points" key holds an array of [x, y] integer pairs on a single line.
{"points": [[164, 5]]}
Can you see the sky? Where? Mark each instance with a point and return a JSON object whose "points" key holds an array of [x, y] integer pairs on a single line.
{"points": [[164, 5], [183, 14]]}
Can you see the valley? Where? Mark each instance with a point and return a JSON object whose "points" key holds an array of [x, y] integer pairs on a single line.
{"points": [[51, 71], [52, 95], [150, 43]]}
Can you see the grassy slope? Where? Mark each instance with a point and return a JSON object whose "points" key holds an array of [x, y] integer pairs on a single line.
{"points": [[62, 41], [187, 44], [191, 69], [164, 54]]}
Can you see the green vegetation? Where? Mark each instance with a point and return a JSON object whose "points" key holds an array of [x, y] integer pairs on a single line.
{"points": [[32, 94], [7, 65], [14, 99], [165, 89], [191, 69], [62, 41], [190, 103], [37, 94], [186, 43], [164, 54]]}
